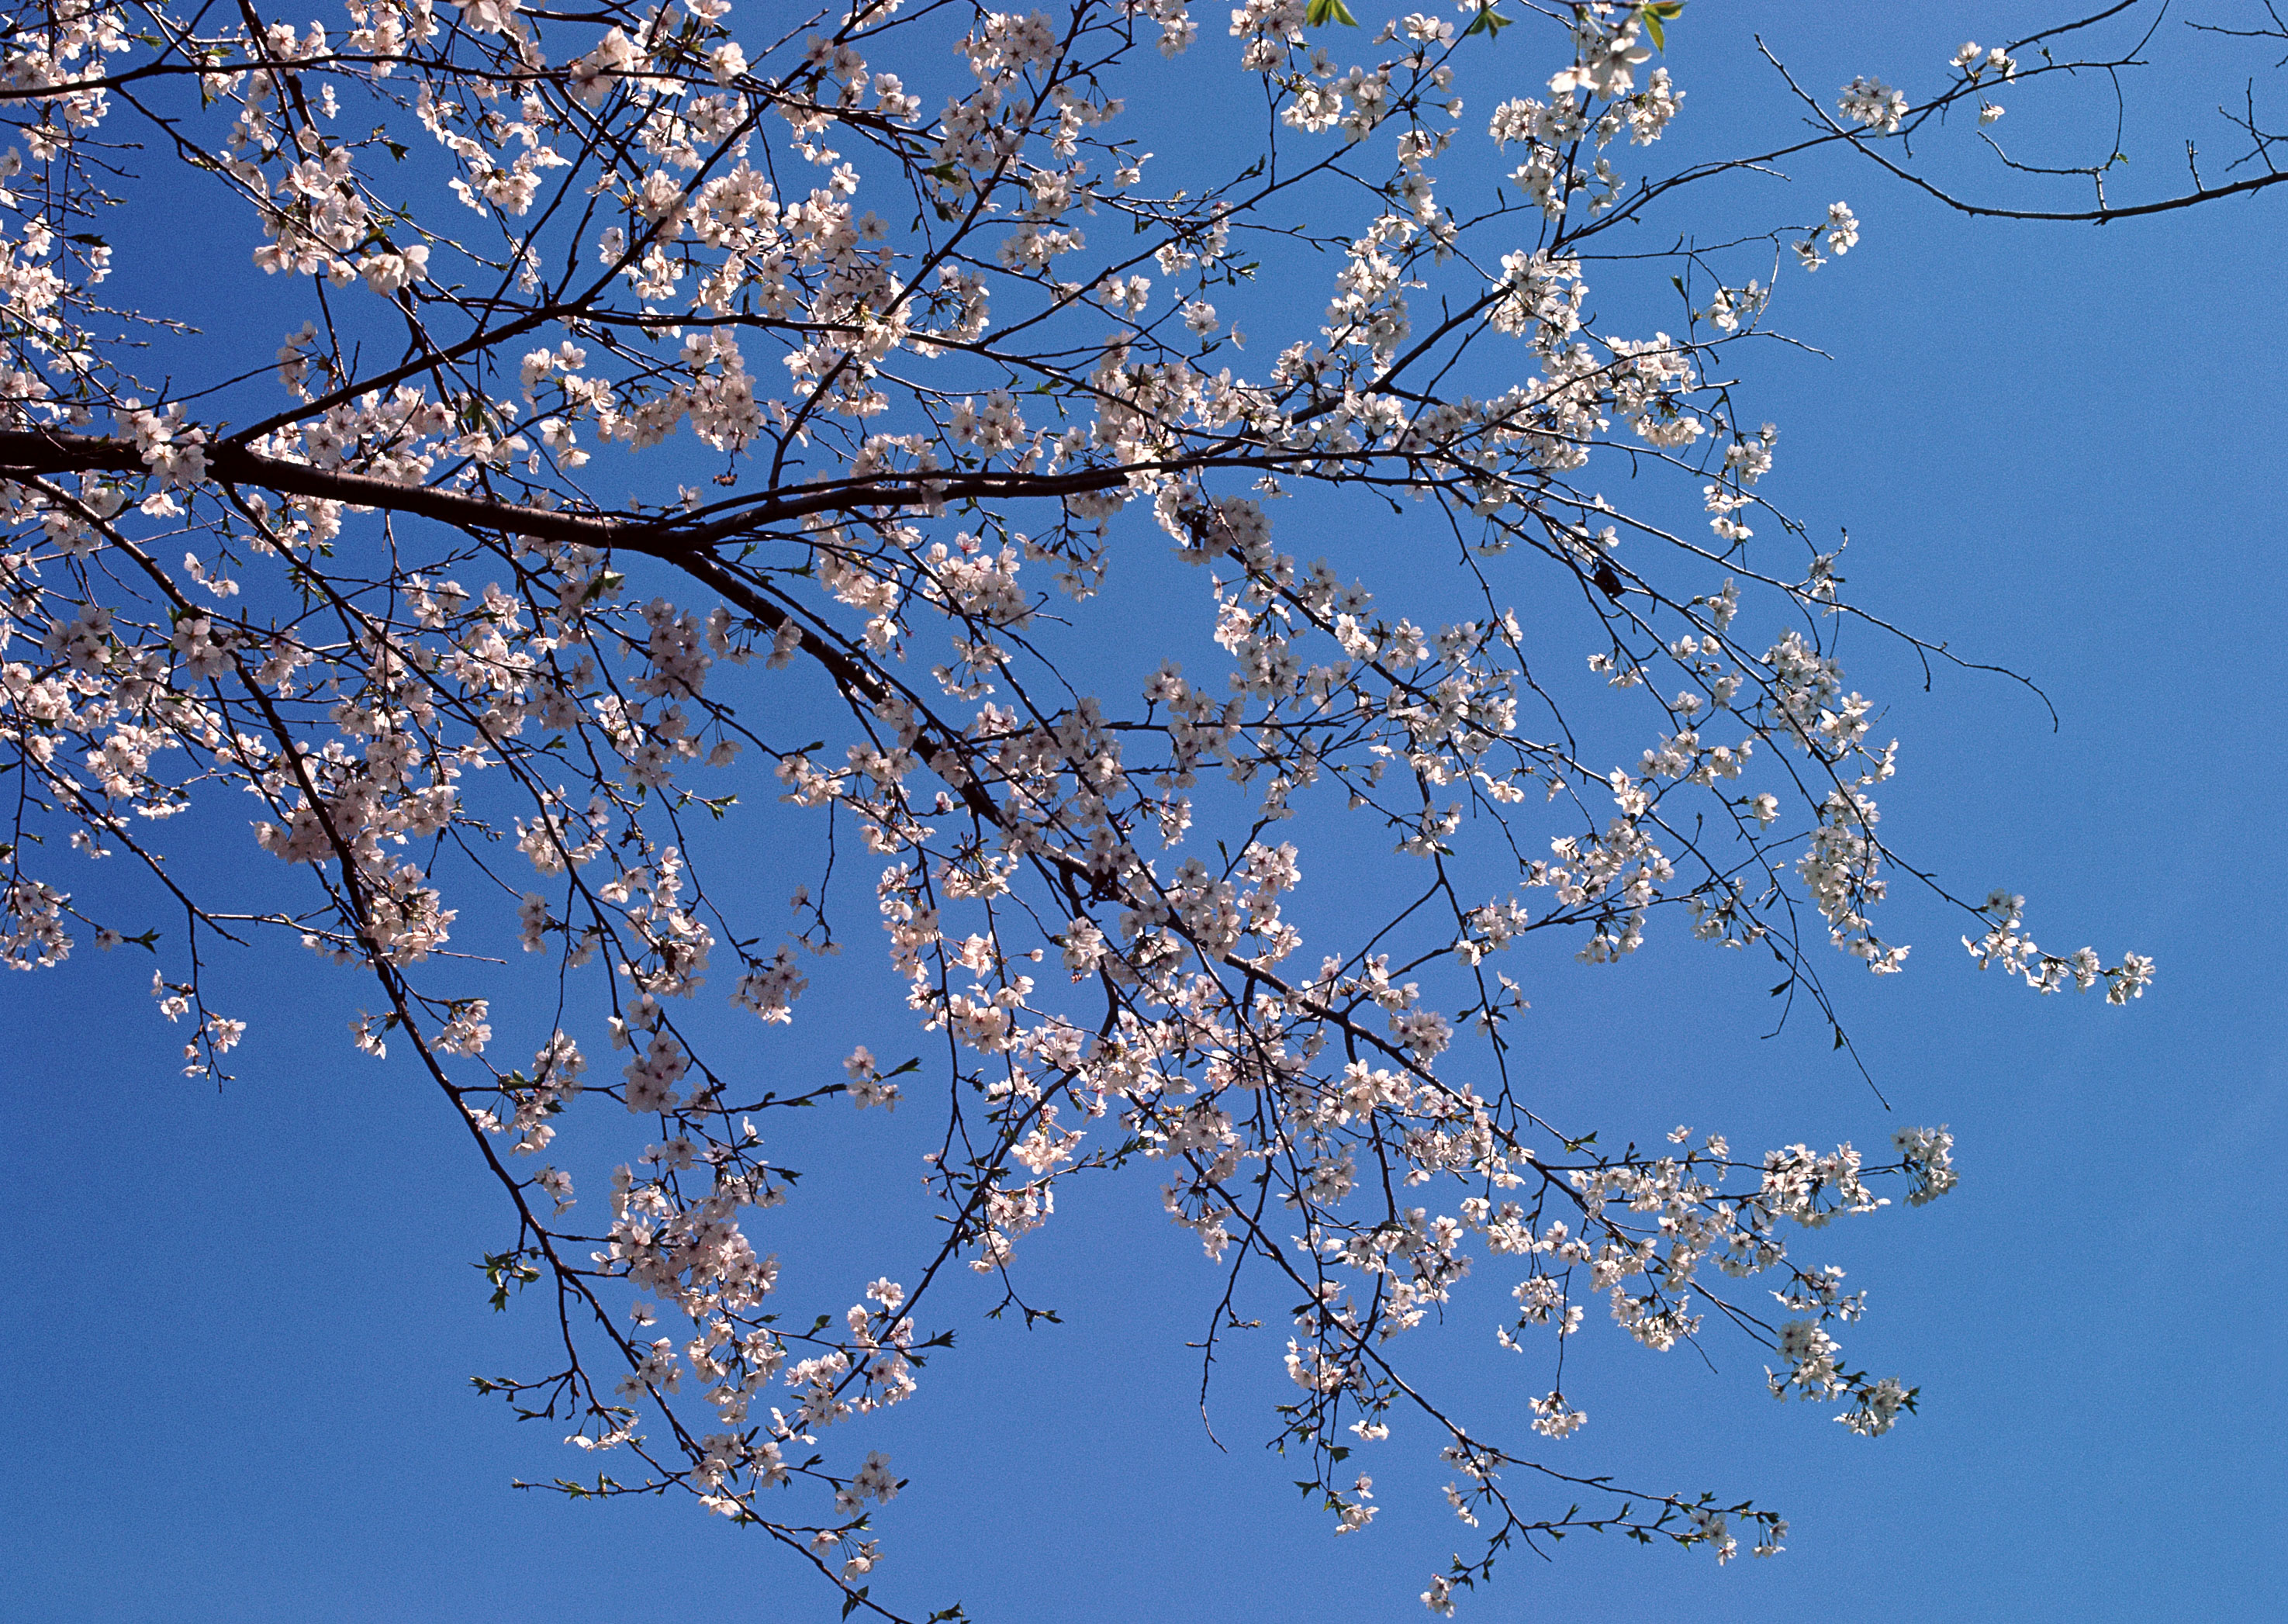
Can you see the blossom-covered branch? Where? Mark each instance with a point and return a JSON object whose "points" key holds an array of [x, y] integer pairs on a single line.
{"points": [[909, 353]]}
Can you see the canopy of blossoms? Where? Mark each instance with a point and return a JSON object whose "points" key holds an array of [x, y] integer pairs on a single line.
{"points": [[679, 408]]}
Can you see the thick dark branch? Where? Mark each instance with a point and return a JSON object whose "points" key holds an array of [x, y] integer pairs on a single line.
{"points": [[38, 453]]}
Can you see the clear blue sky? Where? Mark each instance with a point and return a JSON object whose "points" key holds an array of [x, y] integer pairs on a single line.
{"points": [[241, 1324]]}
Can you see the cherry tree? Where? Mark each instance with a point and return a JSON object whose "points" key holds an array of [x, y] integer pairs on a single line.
{"points": [[674, 415]]}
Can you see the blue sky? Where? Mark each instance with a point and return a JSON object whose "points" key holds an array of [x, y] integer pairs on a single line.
{"points": [[243, 1322]]}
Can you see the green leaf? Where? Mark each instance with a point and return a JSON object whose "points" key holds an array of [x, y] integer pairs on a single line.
{"points": [[1322, 11], [1489, 22], [1657, 15]]}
